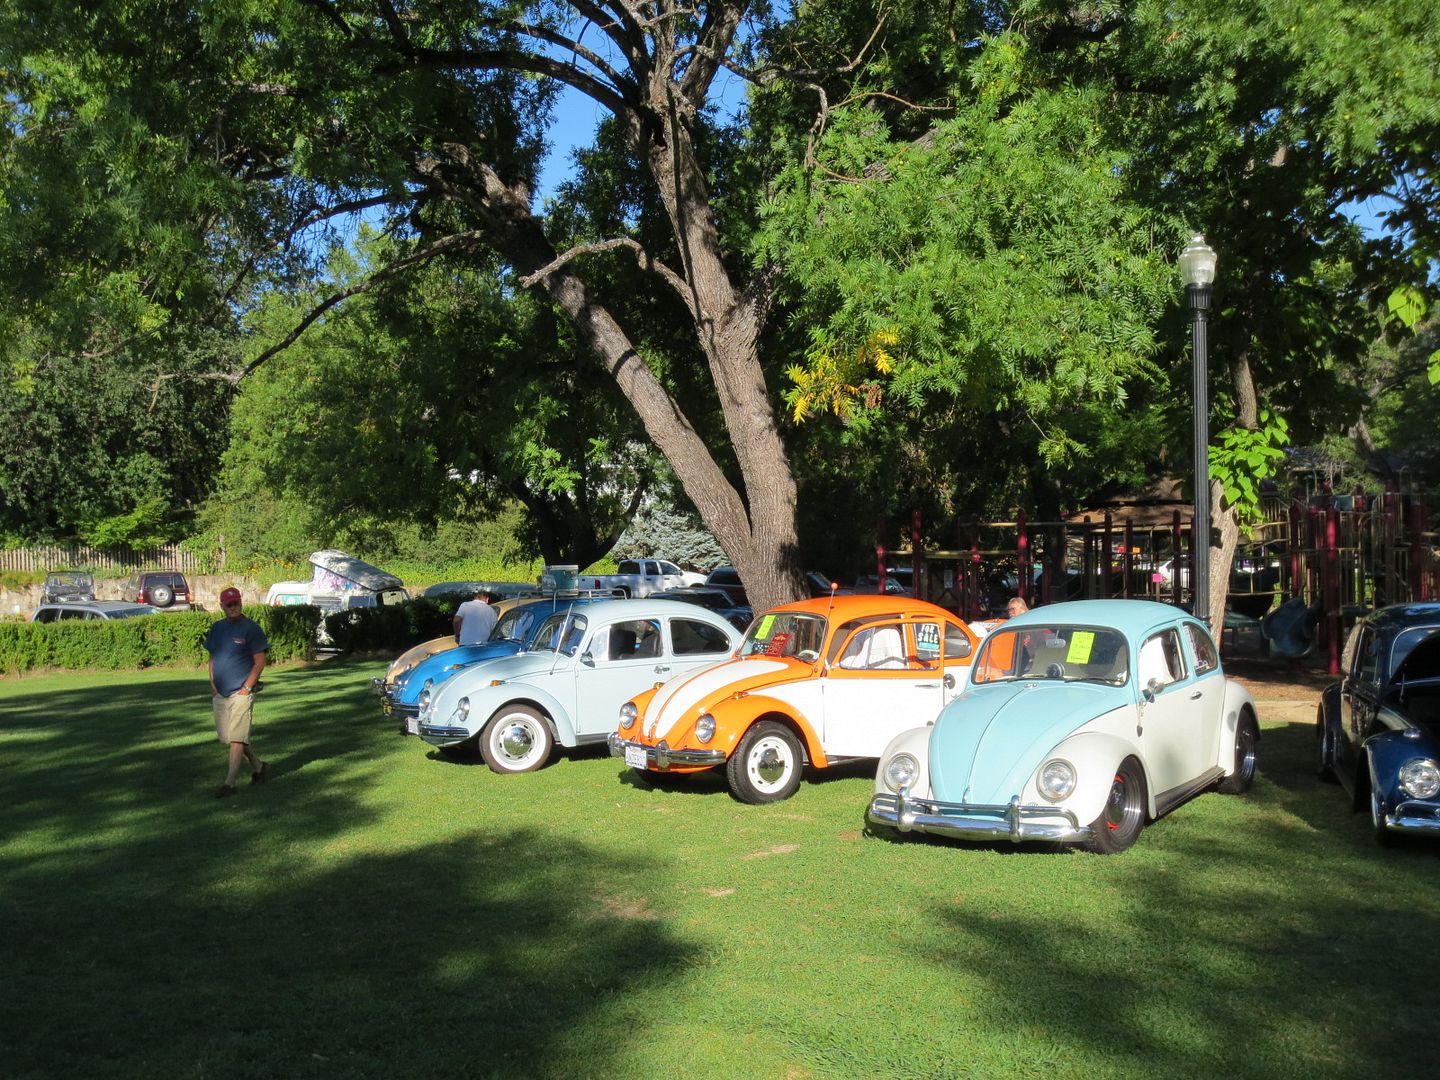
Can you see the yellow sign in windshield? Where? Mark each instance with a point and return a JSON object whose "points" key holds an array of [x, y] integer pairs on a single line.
{"points": [[1081, 642]]}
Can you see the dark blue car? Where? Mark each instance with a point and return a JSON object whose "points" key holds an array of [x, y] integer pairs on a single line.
{"points": [[1379, 726], [513, 633]]}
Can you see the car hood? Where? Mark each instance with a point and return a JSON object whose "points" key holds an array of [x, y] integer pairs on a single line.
{"points": [[523, 666], [990, 739], [751, 675], [440, 666]]}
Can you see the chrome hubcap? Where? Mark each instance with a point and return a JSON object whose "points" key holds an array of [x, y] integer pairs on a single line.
{"points": [[769, 762], [516, 740]]}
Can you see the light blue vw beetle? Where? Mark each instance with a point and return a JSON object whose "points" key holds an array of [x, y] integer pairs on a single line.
{"points": [[1082, 722], [584, 663]]}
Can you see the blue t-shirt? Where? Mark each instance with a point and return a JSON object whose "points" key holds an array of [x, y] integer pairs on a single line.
{"points": [[232, 644]]}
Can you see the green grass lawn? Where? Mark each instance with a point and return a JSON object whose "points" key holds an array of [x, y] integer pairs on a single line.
{"points": [[379, 911]]}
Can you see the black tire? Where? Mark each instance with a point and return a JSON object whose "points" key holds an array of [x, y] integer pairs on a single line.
{"points": [[1123, 816], [517, 739], [766, 766], [162, 596], [1247, 739]]}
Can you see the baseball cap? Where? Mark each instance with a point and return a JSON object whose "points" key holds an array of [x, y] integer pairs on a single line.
{"points": [[230, 596]]}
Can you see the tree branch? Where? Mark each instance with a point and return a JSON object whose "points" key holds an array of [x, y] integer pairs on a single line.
{"points": [[642, 256], [446, 245]]}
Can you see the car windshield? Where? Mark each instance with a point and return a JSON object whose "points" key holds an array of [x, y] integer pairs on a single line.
{"points": [[561, 632], [82, 580], [785, 633], [1060, 652]]}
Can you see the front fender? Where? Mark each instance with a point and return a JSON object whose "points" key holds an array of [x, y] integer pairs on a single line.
{"points": [[1096, 756], [734, 717], [486, 701], [916, 743], [1386, 751]]}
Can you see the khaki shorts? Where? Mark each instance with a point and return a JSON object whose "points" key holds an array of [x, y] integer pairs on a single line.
{"points": [[232, 717]]}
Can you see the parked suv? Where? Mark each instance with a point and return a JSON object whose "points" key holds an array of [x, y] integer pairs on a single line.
{"points": [[165, 589], [61, 585]]}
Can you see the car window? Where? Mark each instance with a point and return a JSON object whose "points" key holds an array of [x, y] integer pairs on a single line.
{"points": [[1352, 649], [1160, 660], [1037, 651], [874, 648], [561, 632], [785, 633], [1203, 648], [957, 643], [1366, 660], [634, 639], [691, 638], [668, 568], [628, 566]]}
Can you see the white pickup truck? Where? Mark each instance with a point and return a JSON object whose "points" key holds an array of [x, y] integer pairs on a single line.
{"points": [[640, 577]]}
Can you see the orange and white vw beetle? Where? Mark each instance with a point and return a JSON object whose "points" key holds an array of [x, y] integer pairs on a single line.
{"points": [[819, 681]]}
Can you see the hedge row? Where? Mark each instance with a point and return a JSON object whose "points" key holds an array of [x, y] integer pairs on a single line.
{"points": [[145, 641], [394, 627]]}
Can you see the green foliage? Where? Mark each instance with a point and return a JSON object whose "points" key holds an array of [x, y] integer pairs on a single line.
{"points": [[143, 527], [661, 530], [392, 628], [1242, 458], [144, 641]]}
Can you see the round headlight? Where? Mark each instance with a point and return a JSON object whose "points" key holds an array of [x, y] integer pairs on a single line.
{"points": [[1420, 778], [1056, 780], [900, 771], [628, 712], [705, 728], [462, 708], [428, 684], [425, 699]]}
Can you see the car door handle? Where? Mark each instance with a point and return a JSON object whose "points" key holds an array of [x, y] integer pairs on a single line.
{"points": [[662, 667], [1196, 696], [927, 686]]}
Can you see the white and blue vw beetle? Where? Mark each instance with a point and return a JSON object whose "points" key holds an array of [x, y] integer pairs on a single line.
{"points": [[585, 662], [1082, 722]]}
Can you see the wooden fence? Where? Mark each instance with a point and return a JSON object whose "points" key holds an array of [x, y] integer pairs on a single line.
{"points": [[41, 559]]}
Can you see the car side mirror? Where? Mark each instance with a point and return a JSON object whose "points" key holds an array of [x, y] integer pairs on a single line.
{"points": [[587, 659], [949, 681], [1152, 688]]}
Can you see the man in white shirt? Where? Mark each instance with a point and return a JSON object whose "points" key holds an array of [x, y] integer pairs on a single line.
{"points": [[474, 619]]}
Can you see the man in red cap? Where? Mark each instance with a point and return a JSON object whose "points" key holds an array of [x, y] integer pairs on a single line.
{"points": [[237, 648]]}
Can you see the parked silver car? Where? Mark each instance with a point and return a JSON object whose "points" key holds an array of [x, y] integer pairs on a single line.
{"points": [[92, 609]]}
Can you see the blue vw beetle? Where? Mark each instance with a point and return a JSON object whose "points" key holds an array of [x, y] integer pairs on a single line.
{"points": [[1082, 722], [1379, 726], [514, 632]]}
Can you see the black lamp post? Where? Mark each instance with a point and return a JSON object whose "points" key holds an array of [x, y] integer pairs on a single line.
{"points": [[1197, 272]]}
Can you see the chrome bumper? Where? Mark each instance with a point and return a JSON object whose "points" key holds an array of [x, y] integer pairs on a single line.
{"points": [[377, 685], [441, 735], [1414, 817], [981, 822], [661, 757]]}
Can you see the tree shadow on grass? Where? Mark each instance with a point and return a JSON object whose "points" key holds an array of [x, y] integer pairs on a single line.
{"points": [[166, 933]]}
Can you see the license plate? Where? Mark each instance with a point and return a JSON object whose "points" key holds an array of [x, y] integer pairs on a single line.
{"points": [[635, 757], [412, 725]]}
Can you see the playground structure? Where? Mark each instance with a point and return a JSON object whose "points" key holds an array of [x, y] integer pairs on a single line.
{"points": [[1332, 557]]}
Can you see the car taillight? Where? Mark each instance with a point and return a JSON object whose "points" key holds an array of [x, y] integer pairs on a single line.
{"points": [[142, 597]]}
